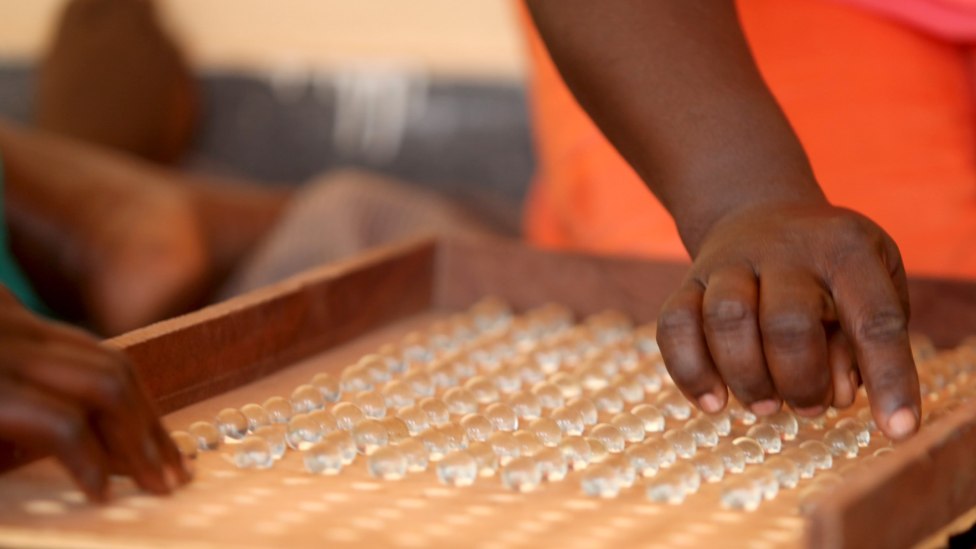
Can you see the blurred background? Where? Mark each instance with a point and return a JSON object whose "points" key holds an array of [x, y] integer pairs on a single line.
{"points": [[429, 91]]}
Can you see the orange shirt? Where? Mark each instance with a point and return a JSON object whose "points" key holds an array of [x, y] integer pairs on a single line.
{"points": [[885, 112]]}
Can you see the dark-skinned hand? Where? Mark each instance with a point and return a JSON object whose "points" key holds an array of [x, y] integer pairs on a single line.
{"points": [[62, 392], [797, 304]]}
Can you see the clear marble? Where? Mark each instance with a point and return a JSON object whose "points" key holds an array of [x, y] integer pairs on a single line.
{"points": [[570, 421], [443, 374], [506, 446], [387, 463], [644, 460], [437, 411], [754, 451], [673, 404], [690, 477], [457, 436], [483, 388], [415, 419], [372, 403], [819, 454], [485, 455], [652, 418], [397, 394], [567, 384], [355, 378], [600, 480], [327, 422], [765, 480], [860, 431], [328, 385], [522, 474], [547, 429], [306, 398], [630, 389], [592, 377], [865, 416], [767, 436], [526, 405], [706, 436], [803, 461], [552, 464], [185, 443], [460, 401], [415, 453], [667, 487], [816, 423], [529, 443], [608, 400], [610, 435], [626, 472], [810, 497], [420, 383], [347, 415], [508, 380], [253, 453], [279, 409], [649, 377], [586, 408], [598, 450], [276, 439], [741, 494], [256, 416], [631, 426], [784, 421], [841, 443], [883, 452], [436, 442], [576, 451], [502, 417], [721, 421], [458, 468], [682, 441], [740, 414], [733, 457], [206, 435], [232, 425], [785, 470], [710, 466], [396, 429], [324, 458], [550, 396], [347, 446], [375, 366], [302, 432], [664, 450]]}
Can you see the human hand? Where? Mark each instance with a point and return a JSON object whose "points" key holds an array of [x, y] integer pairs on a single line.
{"points": [[795, 303], [63, 392]]}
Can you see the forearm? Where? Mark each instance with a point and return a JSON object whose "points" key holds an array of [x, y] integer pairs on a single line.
{"points": [[673, 86]]}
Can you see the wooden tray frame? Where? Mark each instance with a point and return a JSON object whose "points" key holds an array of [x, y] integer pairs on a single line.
{"points": [[921, 489]]}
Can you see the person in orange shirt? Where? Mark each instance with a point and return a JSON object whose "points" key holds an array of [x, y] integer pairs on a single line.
{"points": [[787, 146]]}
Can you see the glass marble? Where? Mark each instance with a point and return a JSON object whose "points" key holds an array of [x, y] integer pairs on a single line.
{"points": [[841, 443], [803, 461], [819, 454], [785, 424], [506, 446], [460, 401], [372, 403], [689, 475], [437, 411], [547, 429], [733, 457], [253, 453], [522, 474], [397, 394], [600, 480], [816, 423], [829, 479], [232, 425], [387, 463], [483, 388], [279, 409], [306, 398], [502, 417], [206, 435], [393, 359], [649, 377], [630, 389], [710, 466], [741, 494], [355, 378], [626, 473], [328, 385], [765, 480], [508, 381], [586, 408], [785, 470], [552, 464], [883, 452], [185, 443], [276, 439], [652, 418], [593, 378], [302, 432], [673, 404], [611, 436], [477, 426], [767, 436], [567, 384], [324, 458], [347, 415], [740, 414], [721, 421], [415, 419], [436, 442], [375, 366], [810, 497], [396, 429], [443, 374], [576, 451], [631, 426], [420, 383], [860, 431], [598, 450], [484, 454], [529, 443], [754, 451], [347, 446], [415, 453], [549, 395], [865, 416], [667, 487], [256, 416], [570, 421], [643, 459], [457, 436], [458, 468], [608, 400], [682, 441], [663, 449], [526, 405], [706, 436], [327, 422]]}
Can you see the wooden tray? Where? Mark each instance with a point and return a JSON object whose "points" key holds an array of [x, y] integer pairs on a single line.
{"points": [[326, 318]]}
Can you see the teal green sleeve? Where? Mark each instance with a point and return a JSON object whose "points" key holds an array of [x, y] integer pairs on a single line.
{"points": [[11, 276]]}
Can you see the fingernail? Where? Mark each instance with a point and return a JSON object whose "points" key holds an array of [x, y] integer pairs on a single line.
{"points": [[710, 403], [812, 411], [765, 407], [902, 423]]}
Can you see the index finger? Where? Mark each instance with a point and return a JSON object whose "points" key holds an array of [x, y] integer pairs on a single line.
{"points": [[872, 314]]}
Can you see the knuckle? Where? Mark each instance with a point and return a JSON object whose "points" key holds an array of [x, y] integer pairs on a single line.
{"points": [[677, 321], [881, 327], [727, 315], [109, 390], [788, 331], [69, 429]]}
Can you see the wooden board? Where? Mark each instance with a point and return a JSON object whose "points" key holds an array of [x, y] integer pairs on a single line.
{"points": [[324, 320]]}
